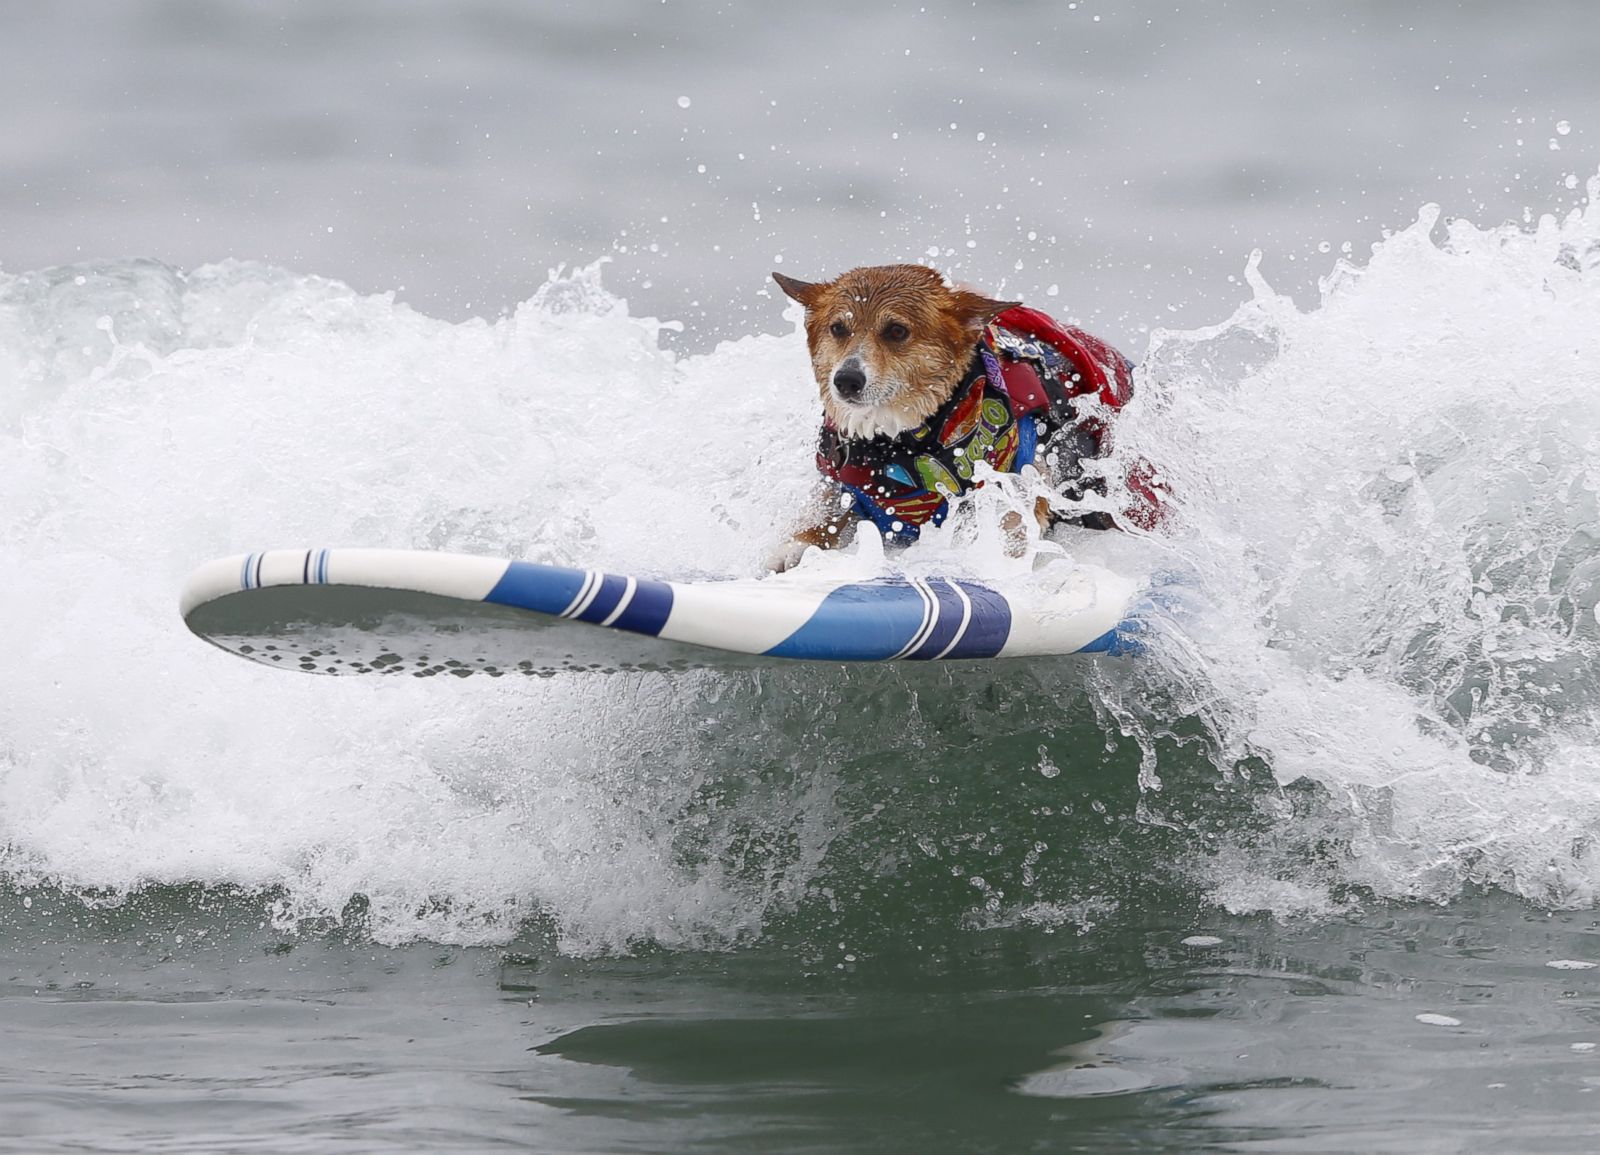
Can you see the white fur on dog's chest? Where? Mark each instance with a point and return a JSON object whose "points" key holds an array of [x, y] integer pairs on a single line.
{"points": [[864, 422]]}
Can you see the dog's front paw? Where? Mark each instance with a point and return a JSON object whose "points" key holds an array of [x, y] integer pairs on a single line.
{"points": [[1013, 524]]}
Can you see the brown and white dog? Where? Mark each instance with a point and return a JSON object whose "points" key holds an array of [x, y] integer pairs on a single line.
{"points": [[921, 380]]}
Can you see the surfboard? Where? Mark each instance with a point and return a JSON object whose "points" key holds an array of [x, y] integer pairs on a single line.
{"points": [[425, 614]]}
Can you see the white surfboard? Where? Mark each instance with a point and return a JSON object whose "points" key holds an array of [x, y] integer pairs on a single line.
{"points": [[377, 611]]}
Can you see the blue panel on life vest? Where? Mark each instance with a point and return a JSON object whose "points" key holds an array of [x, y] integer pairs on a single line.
{"points": [[896, 529], [897, 472], [1027, 441]]}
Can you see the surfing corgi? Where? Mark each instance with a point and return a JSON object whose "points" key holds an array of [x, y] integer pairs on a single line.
{"points": [[921, 380]]}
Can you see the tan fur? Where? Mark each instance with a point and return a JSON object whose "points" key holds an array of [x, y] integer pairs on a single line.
{"points": [[909, 376]]}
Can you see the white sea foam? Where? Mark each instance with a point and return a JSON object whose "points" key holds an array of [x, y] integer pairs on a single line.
{"points": [[150, 421], [1391, 501]]}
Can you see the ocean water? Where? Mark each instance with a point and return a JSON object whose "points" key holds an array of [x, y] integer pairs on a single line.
{"points": [[1318, 873]]}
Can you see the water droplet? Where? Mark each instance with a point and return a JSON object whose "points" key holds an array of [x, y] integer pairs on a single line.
{"points": [[1563, 127], [683, 102]]}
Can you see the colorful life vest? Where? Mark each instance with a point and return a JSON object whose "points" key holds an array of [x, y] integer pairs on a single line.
{"points": [[1014, 401]]}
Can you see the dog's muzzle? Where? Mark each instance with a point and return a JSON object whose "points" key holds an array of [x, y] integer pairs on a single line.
{"points": [[849, 381]]}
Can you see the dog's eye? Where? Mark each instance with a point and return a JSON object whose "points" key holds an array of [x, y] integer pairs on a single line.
{"points": [[839, 329], [895, 331]]}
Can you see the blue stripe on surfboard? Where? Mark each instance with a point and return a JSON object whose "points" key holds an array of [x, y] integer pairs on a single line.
{"points": [[545, 589], [857, 623], [605, 599], [647, 612], [549, 589], [945, 625], [1121, 641], [990, 625], [1126, 639]]}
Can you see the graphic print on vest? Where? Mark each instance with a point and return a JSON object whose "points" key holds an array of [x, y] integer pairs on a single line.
{"points": [[1016, 395]]}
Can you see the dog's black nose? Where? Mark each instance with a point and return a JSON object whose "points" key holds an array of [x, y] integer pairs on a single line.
{"points": [[849, 380]]}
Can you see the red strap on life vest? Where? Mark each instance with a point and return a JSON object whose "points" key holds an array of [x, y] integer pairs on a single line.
{"points": [[1148, 509], [1103, 370], [1024, 388]]}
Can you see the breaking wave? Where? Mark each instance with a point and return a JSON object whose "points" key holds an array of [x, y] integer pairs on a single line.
{"points": [[1382, 683]]}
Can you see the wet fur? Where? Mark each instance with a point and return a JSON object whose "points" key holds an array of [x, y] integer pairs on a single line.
{"points": [[908, 376]]}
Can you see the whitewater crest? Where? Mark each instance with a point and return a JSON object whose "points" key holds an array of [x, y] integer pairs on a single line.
{"points": [[151, 419], [1386, 505], [1391, 499]]}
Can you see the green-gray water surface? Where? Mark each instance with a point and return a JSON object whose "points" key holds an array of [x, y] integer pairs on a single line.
{"points": [[179, 1022]]}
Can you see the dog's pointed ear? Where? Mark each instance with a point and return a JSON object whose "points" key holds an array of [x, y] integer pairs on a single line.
{"points": [[976, 310], [803, 291]]}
